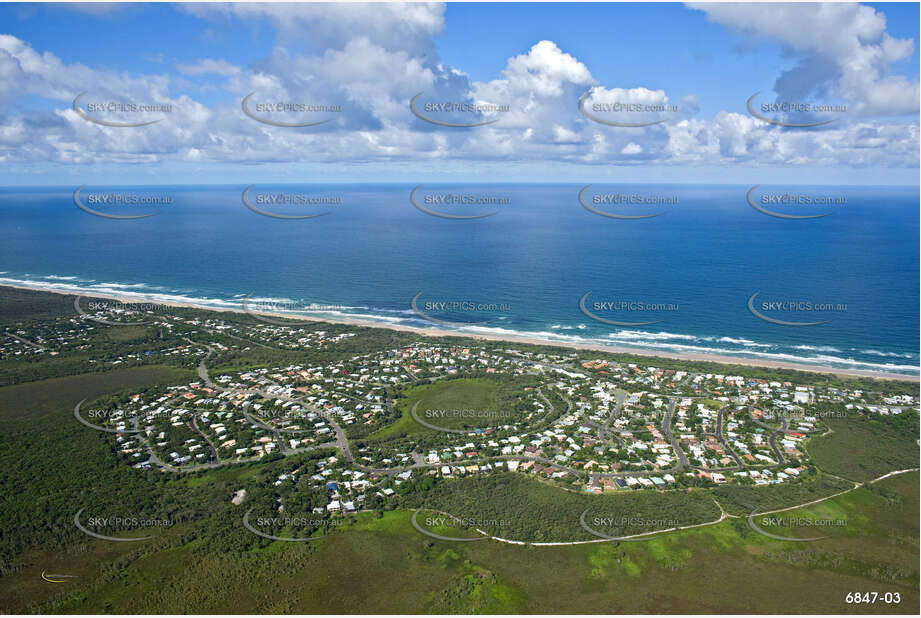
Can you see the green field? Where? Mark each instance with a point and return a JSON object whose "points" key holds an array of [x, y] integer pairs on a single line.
{"points": [[476, 394], [124, 334]]}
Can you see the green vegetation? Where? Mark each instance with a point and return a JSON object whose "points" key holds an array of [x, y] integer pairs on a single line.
{"points": [[861, 448], [382, 564], [51, 465], [743, 499], [205, 561], [477, 395], [36, 399], [522, 508]]}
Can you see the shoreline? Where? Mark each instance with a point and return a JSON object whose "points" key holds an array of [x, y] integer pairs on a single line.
{"points": [[435, 331]]}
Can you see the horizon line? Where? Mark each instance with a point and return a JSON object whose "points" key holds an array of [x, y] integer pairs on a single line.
{"points": [[69, 187]]}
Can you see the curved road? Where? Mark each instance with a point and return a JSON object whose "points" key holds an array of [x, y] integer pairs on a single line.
{"points": [[342, 444], [722, 440], [773, 441]]}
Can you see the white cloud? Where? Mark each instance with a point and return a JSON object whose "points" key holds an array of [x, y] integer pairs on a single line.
{"points": [[631, 149], [331, 25], [373, 60], [842, 49], [545, 70]]}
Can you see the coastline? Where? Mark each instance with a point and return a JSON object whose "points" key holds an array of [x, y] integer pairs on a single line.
{"points": [[435, 331]]}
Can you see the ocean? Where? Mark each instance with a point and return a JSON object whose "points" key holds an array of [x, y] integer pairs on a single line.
{"points": [[709, 274]]}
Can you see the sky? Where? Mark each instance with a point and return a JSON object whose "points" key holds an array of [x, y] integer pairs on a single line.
{"points": [[530, 65]]}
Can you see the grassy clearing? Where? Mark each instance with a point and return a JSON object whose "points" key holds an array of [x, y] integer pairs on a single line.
{"points": [[124, 334], [476, 394]]}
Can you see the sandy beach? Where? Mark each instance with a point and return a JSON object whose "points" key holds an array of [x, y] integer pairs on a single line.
{"points": [[436, 331]]}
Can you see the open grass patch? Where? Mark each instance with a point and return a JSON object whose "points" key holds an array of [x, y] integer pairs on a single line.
{"points": [[461, 403]]}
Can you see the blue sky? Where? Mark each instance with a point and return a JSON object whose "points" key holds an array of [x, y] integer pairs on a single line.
{"points": [[538, 59]]}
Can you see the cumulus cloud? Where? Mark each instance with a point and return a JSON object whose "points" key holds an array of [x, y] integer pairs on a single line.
{"points": [[842, 50], [371, 61]]}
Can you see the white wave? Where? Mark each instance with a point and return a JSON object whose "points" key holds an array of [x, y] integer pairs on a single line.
{"points": [[368, 317], [639, 340], [125, 286], [888, 354], [647, 336], [746, 342], [816, 348]]}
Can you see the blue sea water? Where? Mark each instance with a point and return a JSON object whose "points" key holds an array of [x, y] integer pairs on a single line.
{"points": [[537, 256]]}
